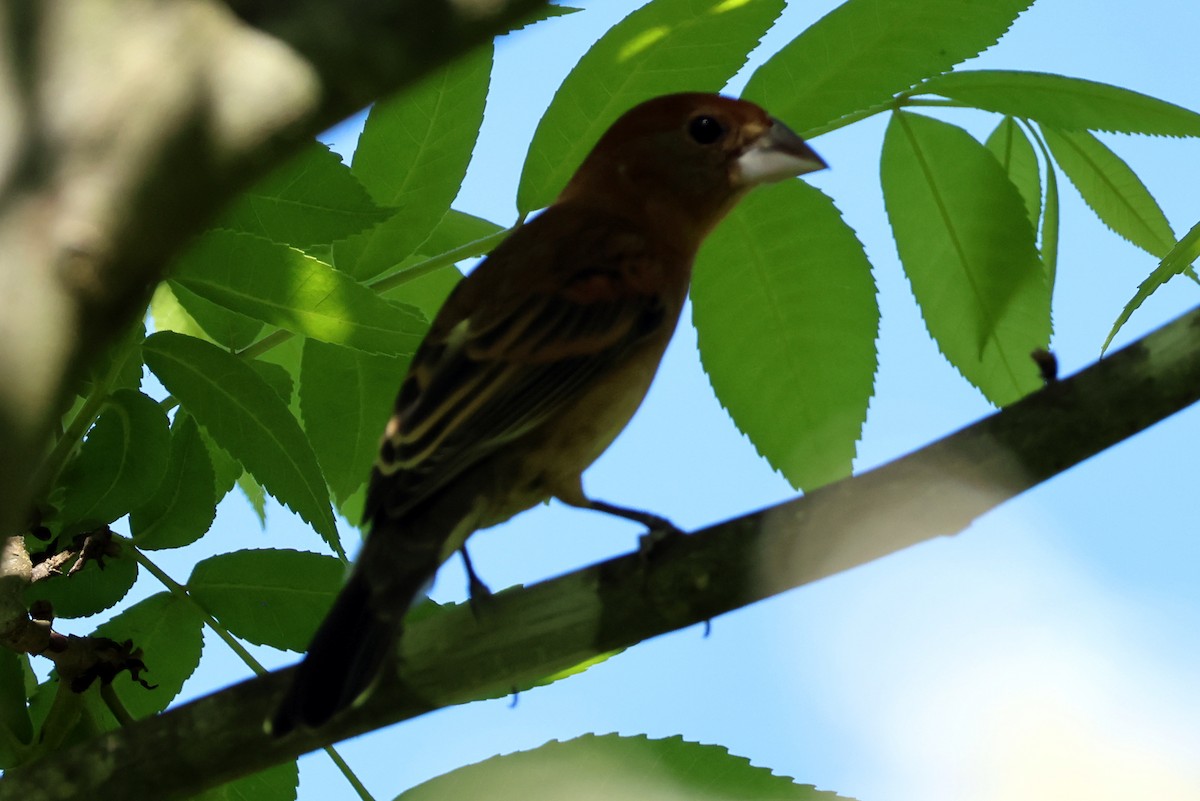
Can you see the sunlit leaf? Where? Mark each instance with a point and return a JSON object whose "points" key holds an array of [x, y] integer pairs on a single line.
{"points": [[625, 767], [1016, 155], [967, 245], [665, 46], [282, 286], [865, 51], [784, 306], [412, 156], [1182, 256], [1111, 189], [1067, 103]]}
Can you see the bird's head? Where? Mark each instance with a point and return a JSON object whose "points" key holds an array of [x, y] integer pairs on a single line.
{"points": [[688, 157]]}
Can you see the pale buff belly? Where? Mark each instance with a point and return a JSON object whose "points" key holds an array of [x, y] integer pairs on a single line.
{"points": [[548, 462]]}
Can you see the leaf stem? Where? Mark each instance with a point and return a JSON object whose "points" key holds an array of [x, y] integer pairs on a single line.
{"points": [[180, 592], [477, 247]]}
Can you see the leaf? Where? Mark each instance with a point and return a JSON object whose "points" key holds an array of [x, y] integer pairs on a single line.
{"points": [[865, 51], [1049, 241], [256, 497], [276, 376], [456, 229], [16, 729], [227, 328], [283, 287], [268, 597], [183, 507], [426, 292], [967, 246], [169, 632], [1013, 150], [248, 419], [120, 463], [540, 14], [169, 314], [226, 469], [119, 366], [1112, 190], [90, 591], [612, 766], [665, 46], [276, 783], [412, 156], [784, 306], [1185, 252], [1068, 103], [345, 399], [312, 199]]}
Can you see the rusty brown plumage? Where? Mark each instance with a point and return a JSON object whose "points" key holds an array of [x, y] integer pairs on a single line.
{"points": [[536, 362]]}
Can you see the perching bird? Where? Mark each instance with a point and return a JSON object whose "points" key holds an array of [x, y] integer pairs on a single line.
{"points": [[536, 362]]}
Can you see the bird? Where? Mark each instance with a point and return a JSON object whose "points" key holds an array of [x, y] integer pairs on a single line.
{"points": [[534, 364]]}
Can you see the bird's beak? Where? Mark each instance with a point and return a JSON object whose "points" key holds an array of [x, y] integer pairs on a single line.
{"points": [[776, 154]]}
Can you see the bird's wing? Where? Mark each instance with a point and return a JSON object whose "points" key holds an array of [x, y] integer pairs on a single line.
{"points": [[509, 357]]}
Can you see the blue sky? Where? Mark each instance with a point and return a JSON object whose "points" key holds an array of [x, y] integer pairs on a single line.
{"points": [[1048, 652]]}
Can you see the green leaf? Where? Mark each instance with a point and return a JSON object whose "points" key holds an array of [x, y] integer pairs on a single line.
{"points": [[1068, 103], [169, 314], [282, 286], [784, 306], [967, 246], [1185, 252], [865, 51], [169, 633], [412, 156], [248, 419], [255, 496], [16, 729], [456, 229], [425, 279], [226, 328], [665, 46], [120, 365], [540, 14], [276, 376], [120, 463], [426, 291], [268, 597], [1013, 150], [624, 767], [345, 399], [182, 509], [1112, 190], [276, 783], [90, 591], [312, 199], [226, 469]]}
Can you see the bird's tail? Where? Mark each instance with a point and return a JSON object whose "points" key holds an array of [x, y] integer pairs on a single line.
{"points": [[343, 661]]}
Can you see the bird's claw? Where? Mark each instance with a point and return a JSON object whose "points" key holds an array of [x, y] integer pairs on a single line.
{"points": [[657, 535]]}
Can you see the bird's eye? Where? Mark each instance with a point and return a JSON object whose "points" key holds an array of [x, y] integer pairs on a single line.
{"points": [[705, 129]]}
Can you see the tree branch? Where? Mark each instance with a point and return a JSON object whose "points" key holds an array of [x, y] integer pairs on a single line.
{"points": [[530, 633], [129, 123]]}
